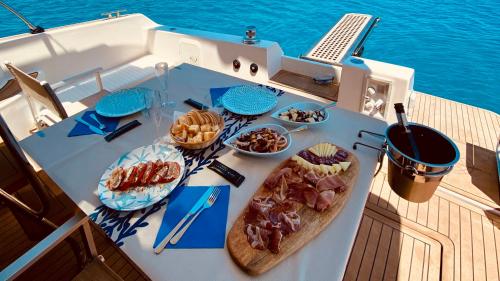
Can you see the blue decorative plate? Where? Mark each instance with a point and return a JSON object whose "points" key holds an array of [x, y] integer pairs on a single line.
{"points": [[249, 100], [278, 128], [141, 197], [302, 106], [122, 103]]}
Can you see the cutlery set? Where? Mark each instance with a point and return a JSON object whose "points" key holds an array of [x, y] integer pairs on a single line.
{"points": [[100, 128], [206, 201]]}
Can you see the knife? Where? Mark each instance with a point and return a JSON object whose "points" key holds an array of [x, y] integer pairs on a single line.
{"points": [[191, 212], [122, 130], [90, 126]]}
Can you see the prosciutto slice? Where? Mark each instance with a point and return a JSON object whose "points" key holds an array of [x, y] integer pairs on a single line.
{"points": [[310, 196], [272, 180], [257, 237], [290, 222], [325, 200], [282, 189], [333, 182], [312, 177], [275, 241]]}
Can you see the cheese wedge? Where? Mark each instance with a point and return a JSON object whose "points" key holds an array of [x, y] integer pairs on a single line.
{"points": [[345, 165]]}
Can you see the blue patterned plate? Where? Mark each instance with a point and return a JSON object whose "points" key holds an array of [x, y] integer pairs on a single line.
{"points": [[122, 103], [142, 197], [249, 100]]}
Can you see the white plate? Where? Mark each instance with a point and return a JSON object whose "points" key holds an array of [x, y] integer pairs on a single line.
{"points": [[280, 129], [302, 106], [135, 199]]}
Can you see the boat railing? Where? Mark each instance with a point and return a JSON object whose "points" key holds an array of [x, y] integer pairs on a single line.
{"points": [[34, 29]]}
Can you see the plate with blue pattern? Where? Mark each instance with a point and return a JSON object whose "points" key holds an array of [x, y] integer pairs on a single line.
{"points": [[122, 103], [249, 100], [144, 196]]}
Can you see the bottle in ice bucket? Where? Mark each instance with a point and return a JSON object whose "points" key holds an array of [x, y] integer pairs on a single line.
{"points": [[406, 131]]}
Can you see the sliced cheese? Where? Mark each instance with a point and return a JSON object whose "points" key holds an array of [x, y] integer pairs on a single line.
{"points": [[337, 168], [345, 165]]}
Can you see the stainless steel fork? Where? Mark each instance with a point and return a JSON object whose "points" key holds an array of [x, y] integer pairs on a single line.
{"points": [[210, 201]]}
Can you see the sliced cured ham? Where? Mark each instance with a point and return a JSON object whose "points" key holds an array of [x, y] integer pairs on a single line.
{"points": [[268, 220], [290, 222], [331, 183], [280, 193], [257, 237], [273, 179], [312, 177], [261, 205], [310, 196], [275, 241], [325, 200]]}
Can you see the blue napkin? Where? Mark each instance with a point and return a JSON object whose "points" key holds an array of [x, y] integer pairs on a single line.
{"points": [[208, 230], [81, 129], [216, 95]]}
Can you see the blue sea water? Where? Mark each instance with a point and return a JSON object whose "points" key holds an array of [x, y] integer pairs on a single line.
{"points": [[454, 45]]}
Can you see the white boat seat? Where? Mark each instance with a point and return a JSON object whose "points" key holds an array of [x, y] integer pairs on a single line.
{"points": [[124, 76]]}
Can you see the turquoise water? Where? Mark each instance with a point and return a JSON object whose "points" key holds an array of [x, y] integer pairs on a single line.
{"points": [[453, 45]]}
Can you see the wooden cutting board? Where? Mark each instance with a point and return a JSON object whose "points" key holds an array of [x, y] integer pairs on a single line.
{"points": [[255, 261]]}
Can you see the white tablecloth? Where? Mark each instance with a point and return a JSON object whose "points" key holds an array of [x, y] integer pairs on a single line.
{"points": [[76, 164]]}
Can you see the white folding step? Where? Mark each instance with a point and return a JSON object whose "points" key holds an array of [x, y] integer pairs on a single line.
{"points": [[342, 39]]}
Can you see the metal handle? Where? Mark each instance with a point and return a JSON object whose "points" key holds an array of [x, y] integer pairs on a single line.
{"points": [[411, 169], [179, 234], [358, 51], [381, 152], [165, 240], [109, 15]]}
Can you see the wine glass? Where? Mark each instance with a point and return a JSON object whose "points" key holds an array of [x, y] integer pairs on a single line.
{"points": [[159, 108]]}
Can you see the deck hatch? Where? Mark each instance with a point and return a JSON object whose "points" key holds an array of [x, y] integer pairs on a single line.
{"points": [[335, 45]]}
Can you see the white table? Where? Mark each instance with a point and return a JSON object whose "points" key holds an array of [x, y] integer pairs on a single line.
{"points": [[76, 164]]}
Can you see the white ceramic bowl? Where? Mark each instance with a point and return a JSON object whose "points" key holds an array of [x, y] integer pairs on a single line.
{"points": [[278, 128], [302, 106]]}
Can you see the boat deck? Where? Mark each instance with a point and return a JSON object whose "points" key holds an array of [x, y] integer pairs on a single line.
{"points": [[453, 236]]}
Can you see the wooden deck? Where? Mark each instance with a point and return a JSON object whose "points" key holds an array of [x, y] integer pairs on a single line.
{"points": [[449, 237], [453, 236]]}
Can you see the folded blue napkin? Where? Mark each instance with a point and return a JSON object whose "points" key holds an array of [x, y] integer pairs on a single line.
{"points": [[208, 230], [216, 95], [81, 129]]}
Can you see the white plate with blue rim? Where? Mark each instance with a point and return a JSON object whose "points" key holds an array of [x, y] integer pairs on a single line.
{"points": [[231, 142], [249, 100], [144, 196], [305, 106], [122, 103]]}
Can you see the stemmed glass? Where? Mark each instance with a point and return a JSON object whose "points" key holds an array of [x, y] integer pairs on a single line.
{"points": [[159, 108]]}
